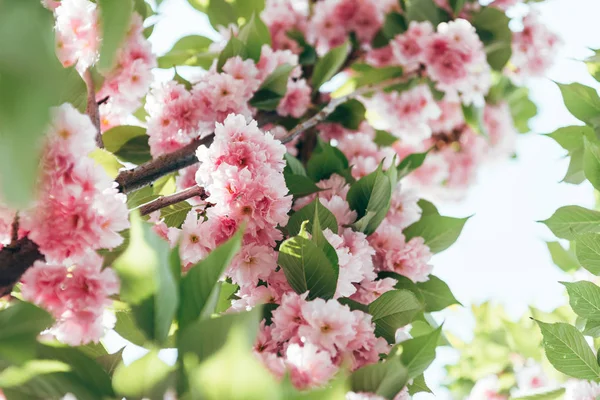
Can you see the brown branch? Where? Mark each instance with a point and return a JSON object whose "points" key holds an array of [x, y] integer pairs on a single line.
{"points": [[333, 104], [15, 260], [166, 201], [92, 109], [145, 174]]}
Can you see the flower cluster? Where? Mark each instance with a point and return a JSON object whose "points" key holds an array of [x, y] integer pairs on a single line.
{"points": [[78, 42], [177, 116], [312, 339], [78, 211], [128, 82], [533, 48]]}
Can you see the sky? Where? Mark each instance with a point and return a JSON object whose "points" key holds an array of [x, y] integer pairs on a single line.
{"points": [[501, 254]]}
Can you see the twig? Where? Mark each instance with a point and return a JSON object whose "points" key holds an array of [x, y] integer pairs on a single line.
{"points": [[92, 109], [15, 229], [147, 173], [333, 104], [171, 199]]}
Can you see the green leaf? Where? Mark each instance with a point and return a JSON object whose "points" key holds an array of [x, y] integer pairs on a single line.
{"points": [[329, 65], [410, 163], [273, 89], [427, 208], [20, 325], [393, 310], [349, 114], [147, 282], [370, 197], [581, 101], [73, 90], [419, 353], [219, 12], [418, 385], [175, 214], [296, 180], [424, 10], [128, 143], [568, 351], [436, 294], [235, 47], [587, 250], [522, 109], [394, 24], [308, 56], [593, 64], [591, 162], [569, 221], [325, 161], [115, 19], [308, 268], [564, 259], [575, 174], [226, 294], [592, 328], [384, 138], [307, 213], [545, 395], [234, 372], [85, 368], [43, 380], [127, 328], [148, 377], [457, 5], [31, 81], [385, 379], [254, 35], [198, 285], [369, 75], [205, 337], [189, 50], [438, 231], [584, 298], [491, 25], [474, 118], [571, 137]]}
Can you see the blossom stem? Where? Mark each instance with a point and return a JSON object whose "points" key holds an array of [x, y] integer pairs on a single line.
{"points": [[93, 107], [333, 104], [171, 199], [143, 175]]}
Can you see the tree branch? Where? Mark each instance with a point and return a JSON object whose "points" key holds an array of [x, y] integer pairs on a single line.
{"points": [[333, 104], [15, 260], [166, 201], [147, 173], [93, 109]]}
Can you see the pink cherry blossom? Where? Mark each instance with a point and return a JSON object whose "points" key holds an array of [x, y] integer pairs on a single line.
{"points": [[76, 295], [77, 33], [533, 48], [309, 366], [394, 253], [456, 61], [404, 210], [251, 263], [328, 324], [196, 239], [296, 100], [501, 131], [409, 47], [408, 113]]}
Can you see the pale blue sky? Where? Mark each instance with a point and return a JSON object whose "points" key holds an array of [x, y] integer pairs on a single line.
{"points": [[501, 254]]}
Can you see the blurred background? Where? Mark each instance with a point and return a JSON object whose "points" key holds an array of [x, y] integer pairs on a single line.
{"points": [[501, 255]]}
